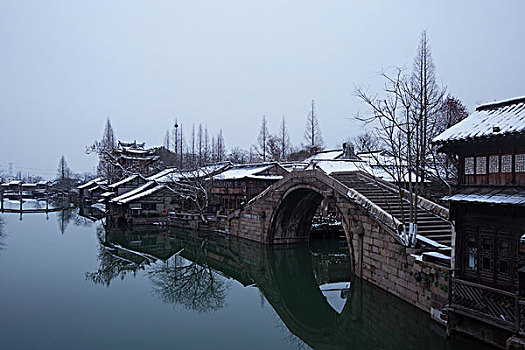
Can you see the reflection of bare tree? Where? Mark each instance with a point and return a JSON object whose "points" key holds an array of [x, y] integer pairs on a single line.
{"points": [[112, 265], [2, 234], [195, 287], [65, 217]]}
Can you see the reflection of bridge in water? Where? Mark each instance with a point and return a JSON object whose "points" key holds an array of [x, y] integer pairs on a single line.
{"points": [[289, 279]]}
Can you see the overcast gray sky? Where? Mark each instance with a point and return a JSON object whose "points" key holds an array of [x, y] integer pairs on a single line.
{"points": [[65, 66]]}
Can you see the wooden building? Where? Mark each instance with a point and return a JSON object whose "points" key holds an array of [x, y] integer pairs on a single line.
{"points": [[127, 184], [241, 183], [83, 190], [487, 289], [136, 158], [146, 204]]}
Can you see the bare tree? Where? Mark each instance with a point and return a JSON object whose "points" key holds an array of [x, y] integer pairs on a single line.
{"points": [[314, 139], [200, 145], [193, 146], [206, 146], [105, 149], [63, 174], [428, 98], [273, 148], [167, 140], [221, 147], [262, 140], [407, 117], [451, 112], [284, 140], [393, 114], [239, 156], [365, 142]]}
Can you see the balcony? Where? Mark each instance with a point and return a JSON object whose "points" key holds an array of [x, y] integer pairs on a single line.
{"points": [[496, 307]]}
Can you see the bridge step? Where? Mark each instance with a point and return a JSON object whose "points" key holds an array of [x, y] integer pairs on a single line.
{"points": [[429, 225]]}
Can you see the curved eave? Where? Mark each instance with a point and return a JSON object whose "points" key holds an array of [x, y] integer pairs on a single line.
{"points": [[450, 144]]}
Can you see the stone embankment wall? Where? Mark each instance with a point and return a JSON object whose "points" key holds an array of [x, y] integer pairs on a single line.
{"points": [[383, 261], [377, 253]]}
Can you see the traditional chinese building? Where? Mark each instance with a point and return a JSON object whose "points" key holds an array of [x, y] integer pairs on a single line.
{"points": [[487, 289], [241, 183], [86, 190], [135, 158]]}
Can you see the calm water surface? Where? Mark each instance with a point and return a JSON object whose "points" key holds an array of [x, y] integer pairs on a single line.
{"points": [[66, 283]]}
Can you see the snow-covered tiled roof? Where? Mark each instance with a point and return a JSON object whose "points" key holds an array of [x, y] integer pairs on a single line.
{"points": [[334, 166], [163, 173], [326, 155], [97, 186], [265, 177], [139, 189], [489, 120], [489, 196], [175, 174], [346, 165], [241, 172], [142, 194], [90, 183], [126, 180]]}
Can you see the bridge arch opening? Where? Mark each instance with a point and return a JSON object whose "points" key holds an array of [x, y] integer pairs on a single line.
{"points": [[293, 220]]}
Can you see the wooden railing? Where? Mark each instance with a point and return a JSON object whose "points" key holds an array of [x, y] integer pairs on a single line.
{"points": [[494, 306]]}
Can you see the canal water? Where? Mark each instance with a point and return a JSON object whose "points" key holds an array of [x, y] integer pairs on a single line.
{"points": [[66, 283]]}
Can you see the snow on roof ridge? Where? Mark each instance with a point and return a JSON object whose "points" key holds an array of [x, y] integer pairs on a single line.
{"points": [[489, 120], [501, 103], [127, 179], [133, 192], [143, 193], [89, 183]]}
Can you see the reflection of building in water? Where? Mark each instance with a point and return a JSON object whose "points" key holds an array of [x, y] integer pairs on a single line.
{"points": [[362, 316]]}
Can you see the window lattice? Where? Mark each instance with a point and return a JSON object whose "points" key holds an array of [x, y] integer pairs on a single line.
{"points": [[493, 164], [519, 164], [469, 165], [481, 165], [506, 163]]}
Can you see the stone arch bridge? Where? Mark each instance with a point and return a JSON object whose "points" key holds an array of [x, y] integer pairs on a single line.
{"points": [[371, 212]]}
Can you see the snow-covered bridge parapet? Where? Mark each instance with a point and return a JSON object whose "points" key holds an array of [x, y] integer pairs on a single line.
{"points": [[283, 214]]}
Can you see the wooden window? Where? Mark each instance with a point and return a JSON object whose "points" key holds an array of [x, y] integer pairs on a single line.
{"points": [[481, 165], [506, 163], [472, 254], [519, 163], [493, 164], [522, 244], [469, 166]]}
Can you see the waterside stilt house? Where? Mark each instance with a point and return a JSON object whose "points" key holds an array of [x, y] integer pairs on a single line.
{"points": [[487, 289]]}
